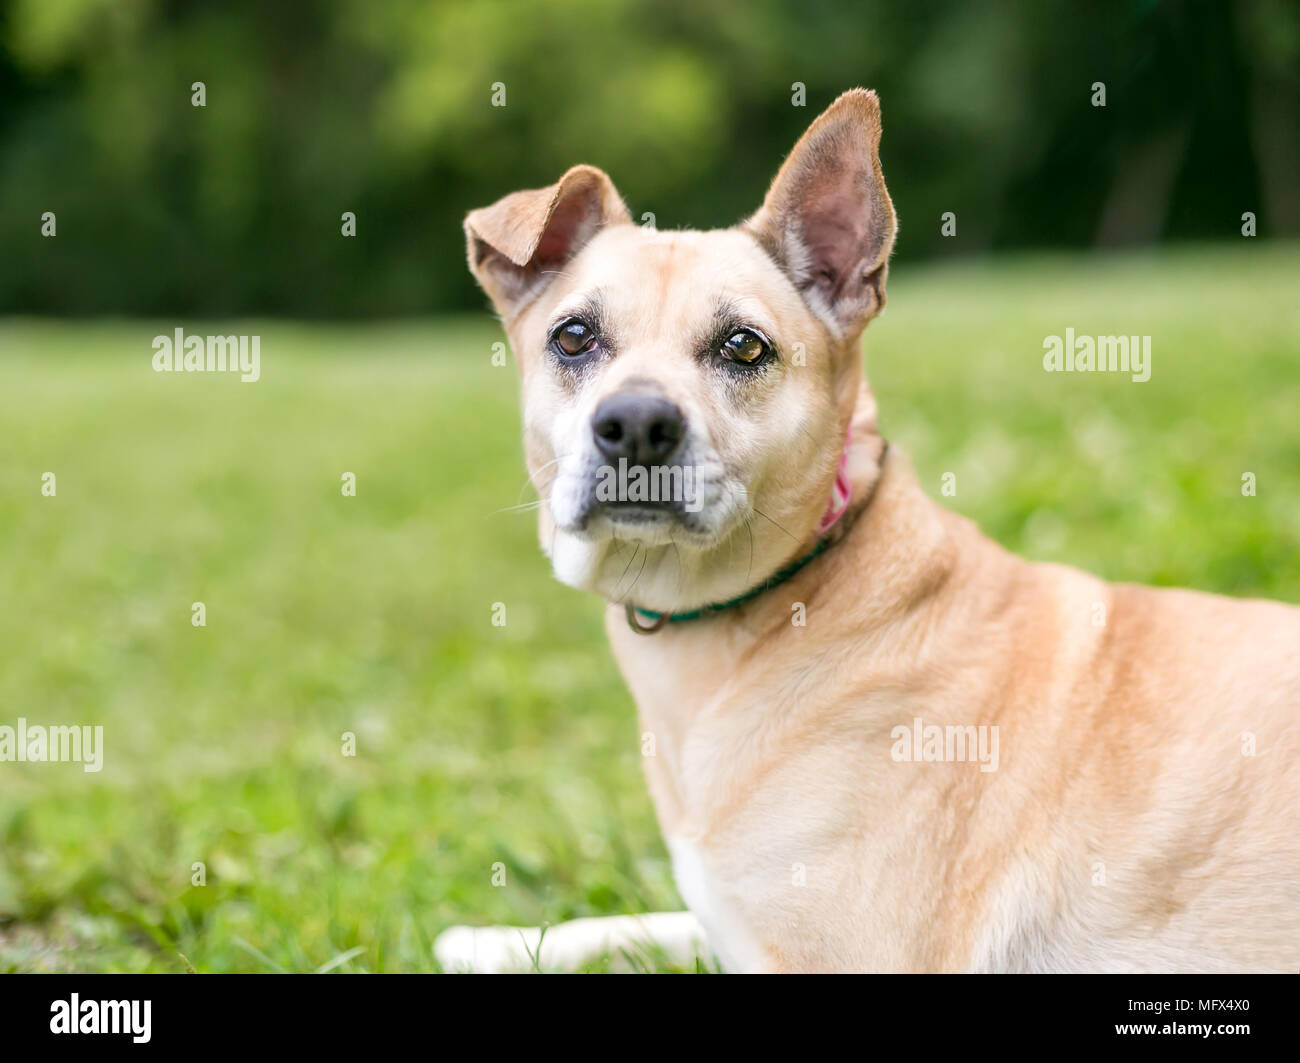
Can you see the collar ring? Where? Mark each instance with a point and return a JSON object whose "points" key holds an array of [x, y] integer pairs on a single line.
{"points": [[644, 629]]}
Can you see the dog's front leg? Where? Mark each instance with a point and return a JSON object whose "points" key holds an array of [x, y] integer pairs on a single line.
{"points": [[674, 937]]}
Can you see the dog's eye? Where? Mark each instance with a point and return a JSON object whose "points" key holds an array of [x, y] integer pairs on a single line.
{"points": [[744, 347], [573, 339]]}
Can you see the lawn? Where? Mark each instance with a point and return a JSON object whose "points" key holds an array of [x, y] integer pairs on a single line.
{"points": [[482, 747]]}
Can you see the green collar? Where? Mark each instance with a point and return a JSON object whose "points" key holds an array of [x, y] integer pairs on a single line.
{"points": [[658, 620]]}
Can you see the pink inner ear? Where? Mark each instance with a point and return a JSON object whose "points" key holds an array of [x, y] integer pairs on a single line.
{"points": [[566, 227], [833, 246], [834, 222]]}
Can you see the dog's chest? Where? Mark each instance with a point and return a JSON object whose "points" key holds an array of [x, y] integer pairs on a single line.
{"points": [[711, 902]]}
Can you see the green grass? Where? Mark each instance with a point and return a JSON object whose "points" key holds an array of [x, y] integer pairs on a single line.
{"points": [[479, 745]]}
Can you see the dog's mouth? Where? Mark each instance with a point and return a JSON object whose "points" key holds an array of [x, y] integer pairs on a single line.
{"points": [[689, 504], [622, 517], [636, 512], [623, 497]]}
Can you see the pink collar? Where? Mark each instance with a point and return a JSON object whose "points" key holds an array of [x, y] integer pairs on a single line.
{"points": [[841, 492]]}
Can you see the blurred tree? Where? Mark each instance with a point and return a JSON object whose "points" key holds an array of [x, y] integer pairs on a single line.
{"points": [[386, 110]]}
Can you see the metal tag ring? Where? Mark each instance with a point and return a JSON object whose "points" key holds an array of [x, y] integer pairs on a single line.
{"points": [[644, 629]]}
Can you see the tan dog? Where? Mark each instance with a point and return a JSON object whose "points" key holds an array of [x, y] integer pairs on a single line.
{"points": [[916, 752]]}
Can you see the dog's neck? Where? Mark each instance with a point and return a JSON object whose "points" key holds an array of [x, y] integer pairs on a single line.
{"points": [[648, 622], [897, 561], [888, 521]]}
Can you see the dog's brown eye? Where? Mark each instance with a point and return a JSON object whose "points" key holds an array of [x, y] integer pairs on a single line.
{"points": [[744, 347], [574, 339]]}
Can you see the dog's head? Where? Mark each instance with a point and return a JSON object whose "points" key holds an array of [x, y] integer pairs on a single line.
{"points": [[686, 394]]}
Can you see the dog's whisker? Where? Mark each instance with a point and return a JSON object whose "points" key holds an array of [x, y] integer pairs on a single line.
{"points": [[626, 569], [749, 526], [527, 507], [775, 523], [677, 555], [528, 481], [537, 503], [645, 557]]}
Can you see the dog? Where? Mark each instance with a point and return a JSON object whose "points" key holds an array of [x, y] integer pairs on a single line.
{"points": [[881, 742]]}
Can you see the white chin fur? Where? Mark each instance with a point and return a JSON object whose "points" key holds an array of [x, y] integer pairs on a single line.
{"points": [[659, 569], [665, 566], [646, 574]]}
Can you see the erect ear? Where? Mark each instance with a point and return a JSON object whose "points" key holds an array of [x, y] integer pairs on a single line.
{"points": [[517, 244], [827, 219]]}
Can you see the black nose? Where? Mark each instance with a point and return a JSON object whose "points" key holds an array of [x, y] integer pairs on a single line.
{"points": [[644, 429]]}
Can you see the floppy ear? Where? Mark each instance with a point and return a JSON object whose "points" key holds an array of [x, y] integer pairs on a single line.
{"points": [[517, 244], [827, 219]]}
